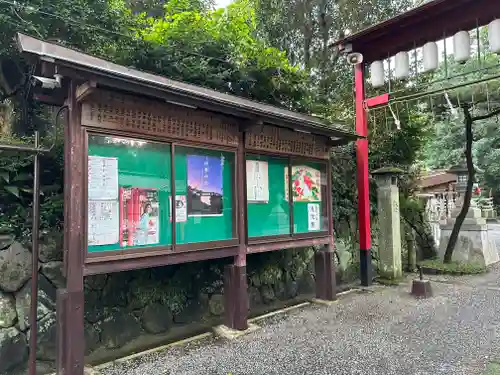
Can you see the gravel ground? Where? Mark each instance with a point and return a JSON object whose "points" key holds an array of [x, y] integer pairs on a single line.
{"points": [[385, 332]]}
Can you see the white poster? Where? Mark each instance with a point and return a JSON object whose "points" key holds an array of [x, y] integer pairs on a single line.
{"points": [[180, 209], [103, 222], [257, 181], [102, 178], [313, 217]]}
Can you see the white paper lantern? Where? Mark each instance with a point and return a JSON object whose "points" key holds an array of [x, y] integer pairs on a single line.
{"points": [[402, 62], [430, 51], [377, 74], [494, 36], [461, 46]]}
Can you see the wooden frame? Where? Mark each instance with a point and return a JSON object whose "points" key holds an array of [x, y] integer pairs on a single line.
{"points": [[111, 259], [292, 236]]}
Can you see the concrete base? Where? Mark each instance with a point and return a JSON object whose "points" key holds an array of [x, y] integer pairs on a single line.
{"points": [[319, 301], [474, 244], [231, 334], [421, 289]]}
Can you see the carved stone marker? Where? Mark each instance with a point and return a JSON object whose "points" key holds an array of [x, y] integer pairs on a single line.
{"points": [[474, 244], [390, 263]]}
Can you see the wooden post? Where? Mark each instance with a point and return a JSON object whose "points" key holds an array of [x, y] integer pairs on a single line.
{"points": [[235, 275], [61, 304], [363, 183], [72, 338], [323, 259]]}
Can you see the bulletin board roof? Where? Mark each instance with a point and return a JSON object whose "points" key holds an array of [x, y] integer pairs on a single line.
{"points": [[432, 21], [204, 98]]}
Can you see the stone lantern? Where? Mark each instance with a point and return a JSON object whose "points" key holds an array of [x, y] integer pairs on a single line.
{"points": [[390, 263]]}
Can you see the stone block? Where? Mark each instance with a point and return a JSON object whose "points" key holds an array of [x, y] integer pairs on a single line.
{"points": [[53, 271], [5, 241], [46, 339], [15, 267], [51, 247], [216, 304], [267, 294], [13, 349], [156, 318], [118, 329], [8, 314], [46, 301]]}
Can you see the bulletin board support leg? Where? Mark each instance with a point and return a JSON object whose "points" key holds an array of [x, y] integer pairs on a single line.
{"points": [[62, 324], [74, 338], [73, 335], [236, 298], [325, 274]]}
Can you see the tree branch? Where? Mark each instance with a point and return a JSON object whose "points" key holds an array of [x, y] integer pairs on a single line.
{"points": [[487, 116]]}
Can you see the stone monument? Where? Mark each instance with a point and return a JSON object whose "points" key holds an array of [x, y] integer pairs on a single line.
{"points": [[390, 262], [474, 244]]}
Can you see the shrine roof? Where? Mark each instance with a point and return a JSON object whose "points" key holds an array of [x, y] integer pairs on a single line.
{"points": [[162, 87], [432, 21]]}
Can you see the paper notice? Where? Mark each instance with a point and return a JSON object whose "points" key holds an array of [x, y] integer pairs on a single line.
{"points": [[102, 178], [313, 217], [257, 181], [180, 209], [103, 222]]}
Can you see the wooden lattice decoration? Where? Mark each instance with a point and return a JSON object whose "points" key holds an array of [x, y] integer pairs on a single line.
{"points": [[116, 111], [284, 141]]}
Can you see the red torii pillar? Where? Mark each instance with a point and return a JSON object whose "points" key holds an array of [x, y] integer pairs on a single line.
{"points": [[362, 178]]}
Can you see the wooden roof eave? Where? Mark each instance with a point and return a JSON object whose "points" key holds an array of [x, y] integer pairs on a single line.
{"points": [[109, 75]]}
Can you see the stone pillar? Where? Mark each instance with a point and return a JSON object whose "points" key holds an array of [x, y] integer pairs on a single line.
{"points": [[390, 263]]}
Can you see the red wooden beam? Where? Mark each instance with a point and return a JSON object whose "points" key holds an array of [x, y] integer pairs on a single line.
{"points": [[377, 100]]}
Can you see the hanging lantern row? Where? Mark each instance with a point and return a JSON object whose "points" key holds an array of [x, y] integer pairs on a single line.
{"points": [[461, 50]]}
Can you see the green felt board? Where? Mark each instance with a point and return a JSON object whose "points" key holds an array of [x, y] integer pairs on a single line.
{"points": [[146, 166], [205, 228], [300, 214], [272, 218]]}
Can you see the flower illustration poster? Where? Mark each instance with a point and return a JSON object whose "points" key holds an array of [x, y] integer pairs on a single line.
{"points": [[306, 184]]}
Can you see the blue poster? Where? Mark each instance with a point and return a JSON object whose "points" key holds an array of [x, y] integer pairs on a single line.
{"points": [[204, 185]]}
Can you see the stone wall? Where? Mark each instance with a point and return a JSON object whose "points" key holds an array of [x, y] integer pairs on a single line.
{"points": [[135, 310]]}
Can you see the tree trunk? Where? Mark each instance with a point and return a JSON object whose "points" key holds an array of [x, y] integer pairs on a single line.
{"points": [[468, 121]]}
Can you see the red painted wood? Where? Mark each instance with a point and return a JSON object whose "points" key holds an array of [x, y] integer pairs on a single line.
{"points": [[362, 162], [377, 100]]}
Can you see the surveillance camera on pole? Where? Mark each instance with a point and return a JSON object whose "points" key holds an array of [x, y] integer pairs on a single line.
{"points": [[48, 83]]}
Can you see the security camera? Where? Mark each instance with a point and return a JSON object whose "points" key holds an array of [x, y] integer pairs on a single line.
{"points": [[355, 58], [48, 83]]}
